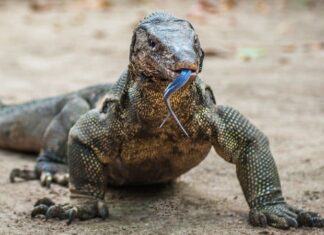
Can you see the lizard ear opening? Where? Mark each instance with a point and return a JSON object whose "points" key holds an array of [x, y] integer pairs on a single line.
{"points": [[201, 59]]}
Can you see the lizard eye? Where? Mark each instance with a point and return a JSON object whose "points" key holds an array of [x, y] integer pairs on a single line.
{"points": [[151, 43]]}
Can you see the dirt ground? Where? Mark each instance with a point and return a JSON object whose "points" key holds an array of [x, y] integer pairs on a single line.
{"points": [[264, 60]]}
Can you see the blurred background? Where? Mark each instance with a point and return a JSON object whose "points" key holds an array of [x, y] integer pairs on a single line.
{"points": [[265, 58]]}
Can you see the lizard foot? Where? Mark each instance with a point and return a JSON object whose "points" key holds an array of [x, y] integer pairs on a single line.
{"points": [[46, 178], [48, 172], [284, 216], [82, 210]]}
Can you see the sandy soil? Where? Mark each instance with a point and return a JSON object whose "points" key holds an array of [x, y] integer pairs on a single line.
{"points": [[62, 48]]}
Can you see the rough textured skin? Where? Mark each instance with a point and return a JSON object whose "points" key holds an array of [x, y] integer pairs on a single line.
{"points": [[120, 143]]}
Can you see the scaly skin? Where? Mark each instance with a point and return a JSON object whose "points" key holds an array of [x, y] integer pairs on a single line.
{"points": [[121, 143]]}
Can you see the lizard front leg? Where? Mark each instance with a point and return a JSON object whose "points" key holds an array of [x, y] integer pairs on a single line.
{"points": [[87, 176], [239, 142]]}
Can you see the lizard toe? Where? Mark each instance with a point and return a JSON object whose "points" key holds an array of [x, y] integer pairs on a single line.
{"points": [[280, 221], [103, 209], [13, 174], [39, 210], [72, 214], [55, 211], [46, 179], [310, 219], [22, 174], [61, 179], [257, 218], [44, 201]]}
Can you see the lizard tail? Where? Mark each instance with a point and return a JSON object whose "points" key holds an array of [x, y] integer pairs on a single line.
{"points": [[22, 126]]}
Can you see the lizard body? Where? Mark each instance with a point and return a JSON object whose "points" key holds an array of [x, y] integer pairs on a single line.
{"points": [[121, 142]]}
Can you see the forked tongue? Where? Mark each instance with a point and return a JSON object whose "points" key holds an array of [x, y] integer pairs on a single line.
{"points": [[174, 86]]}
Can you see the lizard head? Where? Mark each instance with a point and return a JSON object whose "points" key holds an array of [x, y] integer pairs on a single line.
{"points": [[162, 46], [165, 53]]}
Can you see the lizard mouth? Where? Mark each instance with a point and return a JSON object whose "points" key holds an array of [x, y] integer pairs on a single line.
{"points": [[179, 67], [193, 71], [173, 73]]}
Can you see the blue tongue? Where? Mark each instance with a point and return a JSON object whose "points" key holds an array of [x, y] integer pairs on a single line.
{"points": [[174, 86]]}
